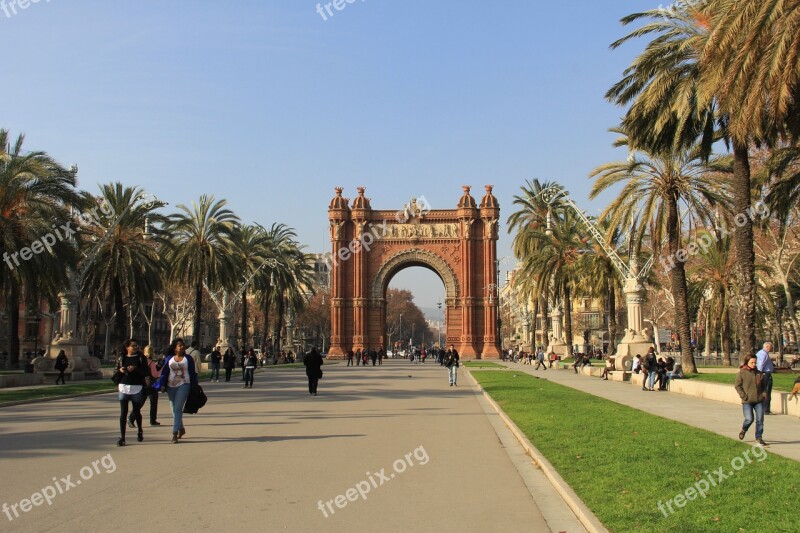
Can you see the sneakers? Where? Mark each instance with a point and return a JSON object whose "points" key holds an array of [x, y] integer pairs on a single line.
{"points": [[131, 424], [156, 423], [140, 436], [174, 437], [451, 384], [121, 442], [761, 442], [741, 434], [181, 433]]}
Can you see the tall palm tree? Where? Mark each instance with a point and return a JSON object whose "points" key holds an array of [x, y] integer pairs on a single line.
{"points": [[559, 247], [526, 221], [656, 186], [37, 197], [278, 244], [201, 250], [122, 264], [251, 245], [711, 269]]}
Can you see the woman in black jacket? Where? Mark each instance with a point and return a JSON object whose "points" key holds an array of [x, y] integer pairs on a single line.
{"points": [[228, 363], [62, 363], [132, 370], [313, 362]]}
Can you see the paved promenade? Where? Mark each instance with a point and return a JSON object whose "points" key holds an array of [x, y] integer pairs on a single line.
{"points": [[425, 457], [781, 432]]}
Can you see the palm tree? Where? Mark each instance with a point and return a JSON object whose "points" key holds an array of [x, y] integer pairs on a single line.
{"points": [[559, 248], [251, 244], [279, 239], [201, 250], [530, 217], [655, 188], [733, 60], [711, 270], [597, 278], [37, 197], [122, 264]]}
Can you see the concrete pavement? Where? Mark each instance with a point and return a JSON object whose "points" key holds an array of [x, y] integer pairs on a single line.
{"points": [[389, 448], [781, 432]]}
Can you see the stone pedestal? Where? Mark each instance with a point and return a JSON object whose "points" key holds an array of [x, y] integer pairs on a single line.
{"points": [[632, 344]]}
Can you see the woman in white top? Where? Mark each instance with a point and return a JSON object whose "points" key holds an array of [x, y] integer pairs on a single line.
{"points": [[177, 378]]}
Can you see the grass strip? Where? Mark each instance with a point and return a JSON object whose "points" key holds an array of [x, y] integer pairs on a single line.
{"points": [[622, 462], [780, 382], [480, 364], [55, 392]]}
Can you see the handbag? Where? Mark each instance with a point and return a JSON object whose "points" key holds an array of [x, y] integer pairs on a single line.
{"points": [[196, 400], [116, 378]]}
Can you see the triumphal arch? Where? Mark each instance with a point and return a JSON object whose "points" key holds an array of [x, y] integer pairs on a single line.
{"points": [[370, 246]]}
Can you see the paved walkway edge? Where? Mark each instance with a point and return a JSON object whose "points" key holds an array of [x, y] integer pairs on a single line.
{"points": [[584, 514]]}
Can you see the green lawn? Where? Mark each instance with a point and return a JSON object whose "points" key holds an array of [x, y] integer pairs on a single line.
{"points": [[780, 382], [622, 462]]}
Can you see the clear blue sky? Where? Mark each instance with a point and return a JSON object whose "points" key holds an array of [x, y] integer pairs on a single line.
{"points": [[264, 103]]}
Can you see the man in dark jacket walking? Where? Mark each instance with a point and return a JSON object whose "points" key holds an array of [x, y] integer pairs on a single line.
{"points": [[313, 362]]}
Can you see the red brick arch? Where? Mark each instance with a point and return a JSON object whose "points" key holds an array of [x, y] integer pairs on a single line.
{"points": [[370, 246]]}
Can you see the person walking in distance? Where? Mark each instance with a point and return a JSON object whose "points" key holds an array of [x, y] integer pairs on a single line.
{"points": [[133, 371], [540, 359], [62, 363], [751, 389], [177, 378], [228, 363], [350, 356], [215, 359], [313, 362], [250, 362], [358, 357], [765, 365], [451, 361]]}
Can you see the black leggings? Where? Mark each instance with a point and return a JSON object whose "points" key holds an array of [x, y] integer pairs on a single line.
{"points": [[61, 377], [312, 385], [123, 415], [228, 372]]}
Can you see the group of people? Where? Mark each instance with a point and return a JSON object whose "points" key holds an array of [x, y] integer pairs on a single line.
{"points": [[376, 355], [141, 376], [657, 371]]}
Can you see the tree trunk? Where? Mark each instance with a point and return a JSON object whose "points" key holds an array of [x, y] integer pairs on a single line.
{"points": [[119, 323], [726, 335], [13, 325], [244, 319], [545, 322], [266, 322], [532, 329], [568, 319], [744, 264], [276, 332], [612, 312], [779, 338], [198, 307], [679, 286], [708, 335]]}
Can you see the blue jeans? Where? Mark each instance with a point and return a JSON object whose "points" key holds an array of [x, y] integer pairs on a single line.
{"points": [[748, 409], [452, 373], [651, 379], [215, 372], [177, 399]]}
